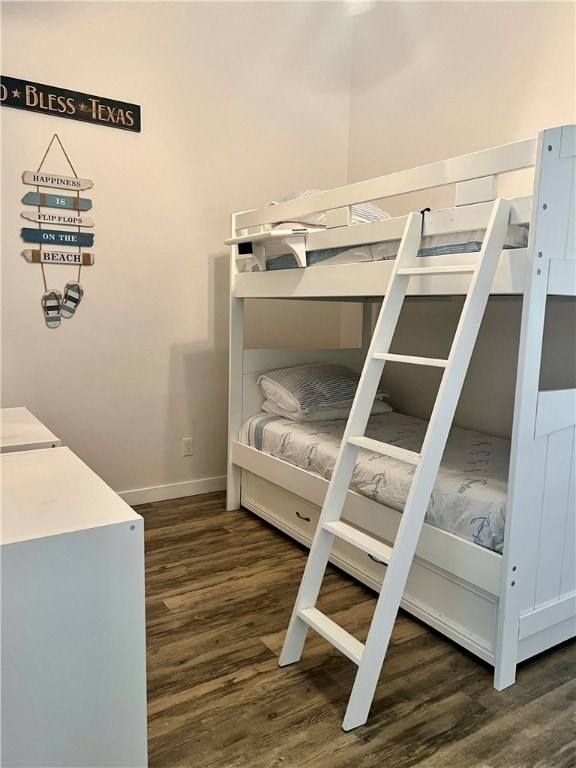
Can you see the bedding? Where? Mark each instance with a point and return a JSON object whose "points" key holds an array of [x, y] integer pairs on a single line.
{"points": [[469, 496], [313, 392], [326, 413], [436, 245], [360, 213]]}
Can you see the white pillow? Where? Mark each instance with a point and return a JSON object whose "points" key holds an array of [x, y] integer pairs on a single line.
{"points": [[328, 413], [361, 213], [312, 388]]}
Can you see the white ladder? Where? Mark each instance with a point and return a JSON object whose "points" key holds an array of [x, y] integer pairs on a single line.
{"points": [[370, 656]]}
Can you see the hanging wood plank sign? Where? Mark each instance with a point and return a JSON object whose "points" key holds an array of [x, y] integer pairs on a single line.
{"points": [[61, 205], [56, 237], [58, 257], [57, 201], [41, 179], [58, 218]]}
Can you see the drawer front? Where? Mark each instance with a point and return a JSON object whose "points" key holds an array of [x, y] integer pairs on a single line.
{"points": [[293, 515], [299, 518], [361, 565]]}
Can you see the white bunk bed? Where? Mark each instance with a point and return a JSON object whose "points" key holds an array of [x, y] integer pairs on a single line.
{"points": [[506, 607]]}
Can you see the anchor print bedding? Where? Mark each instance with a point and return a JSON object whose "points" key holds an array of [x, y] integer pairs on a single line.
{"points": [[469, 497]]}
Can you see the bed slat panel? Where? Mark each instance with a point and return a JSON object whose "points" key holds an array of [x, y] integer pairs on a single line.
{"points": [[476, 190], [568, 583], [555, 511], [562, 277], [526, 495], [546, 638], [549, 615], [556, 410]]}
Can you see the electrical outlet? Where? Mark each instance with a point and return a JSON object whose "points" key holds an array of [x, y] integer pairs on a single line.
{"points": [[187, 446]]}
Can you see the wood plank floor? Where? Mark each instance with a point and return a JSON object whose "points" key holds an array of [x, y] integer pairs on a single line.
{"points": [[220, 590]]}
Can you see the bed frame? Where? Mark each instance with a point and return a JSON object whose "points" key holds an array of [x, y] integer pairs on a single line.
{"points": [[503, 608]]}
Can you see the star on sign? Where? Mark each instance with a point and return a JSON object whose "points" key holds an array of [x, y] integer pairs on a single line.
{"points": [[16, 93], [83, 107]]}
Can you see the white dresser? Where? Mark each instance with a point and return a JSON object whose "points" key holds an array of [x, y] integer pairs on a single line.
{"points": [[20, 430], [73, 618]]}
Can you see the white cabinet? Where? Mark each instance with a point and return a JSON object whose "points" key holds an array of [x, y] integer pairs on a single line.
{"points": [[20, 430], [73, 619]]}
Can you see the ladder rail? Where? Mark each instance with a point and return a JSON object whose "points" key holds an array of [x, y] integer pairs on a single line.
{"points": [[346, 459], [427, 462], [383, 332], [426, 472]]}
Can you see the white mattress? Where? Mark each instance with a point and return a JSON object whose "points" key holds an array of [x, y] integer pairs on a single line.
{"points": [[469, 497], [436, 245]]}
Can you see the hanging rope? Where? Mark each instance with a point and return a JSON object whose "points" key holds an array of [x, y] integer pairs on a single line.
{"points": [[63, 150]]}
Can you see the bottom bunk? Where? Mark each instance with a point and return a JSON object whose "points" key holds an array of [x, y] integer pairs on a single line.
{"points": [[453, 584], [469, 496], [501, 609]]}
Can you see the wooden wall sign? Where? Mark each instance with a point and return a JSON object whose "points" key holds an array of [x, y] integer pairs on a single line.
{"points": [[58, 218], [57, 237], [71, 183], [57, 201], [58, 257], [74, 105]]}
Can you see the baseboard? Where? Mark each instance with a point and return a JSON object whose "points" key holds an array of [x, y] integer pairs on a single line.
{"points": [[173, 491]]}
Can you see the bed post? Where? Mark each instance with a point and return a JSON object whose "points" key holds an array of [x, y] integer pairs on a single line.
{"points": [[236, 364], [553, 180], [367, 326]]}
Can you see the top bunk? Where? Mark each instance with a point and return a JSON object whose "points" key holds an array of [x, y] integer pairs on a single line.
{"points": [[338, 244]]}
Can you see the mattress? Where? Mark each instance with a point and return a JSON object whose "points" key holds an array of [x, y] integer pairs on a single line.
{"points": [[436, 245], [469, 496]]}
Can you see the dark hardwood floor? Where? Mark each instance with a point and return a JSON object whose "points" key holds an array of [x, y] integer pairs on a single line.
{"points": [[220, 590]]}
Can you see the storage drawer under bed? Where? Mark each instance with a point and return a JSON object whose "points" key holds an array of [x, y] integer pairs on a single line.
{"points": [[455, 607]]}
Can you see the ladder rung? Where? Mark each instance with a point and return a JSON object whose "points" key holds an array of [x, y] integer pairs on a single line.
{"points": [[344, 641], [386, 449], [362, 540], [437, 270], [437, 362]]}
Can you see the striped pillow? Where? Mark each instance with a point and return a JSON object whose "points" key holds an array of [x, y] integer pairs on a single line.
{"points": [[326, 413], [360, 213], [309, 389]]}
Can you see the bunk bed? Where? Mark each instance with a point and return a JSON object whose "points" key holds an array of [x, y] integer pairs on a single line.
{"points": [[504, 600]]}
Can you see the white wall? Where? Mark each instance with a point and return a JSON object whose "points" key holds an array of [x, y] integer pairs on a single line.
{"points": [[240, 102], [431, 80]]}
